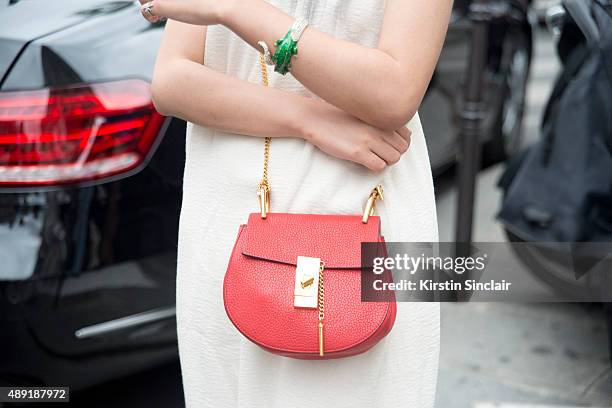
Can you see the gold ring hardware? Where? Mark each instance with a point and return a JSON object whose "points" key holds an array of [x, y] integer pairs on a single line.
{"points": [[264, 199], [375, 194]]}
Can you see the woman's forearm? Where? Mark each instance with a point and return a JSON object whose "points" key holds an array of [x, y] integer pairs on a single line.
{"points": [[378, 85], [360, 80], [195, 93]]}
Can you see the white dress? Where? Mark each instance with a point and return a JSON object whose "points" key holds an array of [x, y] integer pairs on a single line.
{"points": [[221, 368]]}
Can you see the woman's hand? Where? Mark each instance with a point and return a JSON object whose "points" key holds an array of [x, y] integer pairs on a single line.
{"points": [[341, 135], [198, 12]]}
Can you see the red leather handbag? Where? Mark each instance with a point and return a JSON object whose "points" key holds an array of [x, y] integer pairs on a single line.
{"points": [[293, 282]]}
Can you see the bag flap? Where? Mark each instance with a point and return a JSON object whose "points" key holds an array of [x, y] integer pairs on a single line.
{"points": [[336, 239]]}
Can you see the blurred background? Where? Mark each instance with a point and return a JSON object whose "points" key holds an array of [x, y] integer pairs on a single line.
{"points": [[90, 193]]}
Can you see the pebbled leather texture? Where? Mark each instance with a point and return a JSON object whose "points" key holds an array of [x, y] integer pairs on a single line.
{"points": [[333, 238], [259, 284]]}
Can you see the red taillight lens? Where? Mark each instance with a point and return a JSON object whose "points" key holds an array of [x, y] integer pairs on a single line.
{"points": [[74, 134]]}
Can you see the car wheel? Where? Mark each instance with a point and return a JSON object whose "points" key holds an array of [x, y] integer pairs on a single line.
{"points": [[508, 126]]}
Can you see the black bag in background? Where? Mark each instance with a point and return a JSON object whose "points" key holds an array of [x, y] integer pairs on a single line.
{"points": [[560, 189]]}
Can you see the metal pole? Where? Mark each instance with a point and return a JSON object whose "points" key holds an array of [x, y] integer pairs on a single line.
{"points": [[472, 114]]}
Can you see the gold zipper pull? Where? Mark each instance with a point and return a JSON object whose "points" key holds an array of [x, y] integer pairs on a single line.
{"points": [[375, 194], [321, 339]]}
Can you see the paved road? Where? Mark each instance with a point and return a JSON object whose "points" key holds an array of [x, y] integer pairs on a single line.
{"points": [[493, 355]]}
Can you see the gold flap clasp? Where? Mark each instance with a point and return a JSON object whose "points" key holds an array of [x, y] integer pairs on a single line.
{"points": [[305, 293]]}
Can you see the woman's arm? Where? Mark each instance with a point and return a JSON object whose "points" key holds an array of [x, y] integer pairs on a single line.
{"points": [[184, 87], [383, 86]]}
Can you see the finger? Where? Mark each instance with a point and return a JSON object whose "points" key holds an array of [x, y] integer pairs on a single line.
{"points": [[407, 135], [176, 10], [147, 11], [374, 162], [160, 8], [384, 150], [404, 132], [409, 140], [398, 142]]}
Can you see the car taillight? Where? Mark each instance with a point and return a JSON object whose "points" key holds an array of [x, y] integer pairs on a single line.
{"points": [[76, 133]]}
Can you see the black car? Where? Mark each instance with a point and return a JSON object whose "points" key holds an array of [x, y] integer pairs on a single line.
{"points": [[90, 179]]}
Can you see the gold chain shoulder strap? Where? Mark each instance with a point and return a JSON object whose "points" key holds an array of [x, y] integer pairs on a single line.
{"points": [[263, 191]]}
